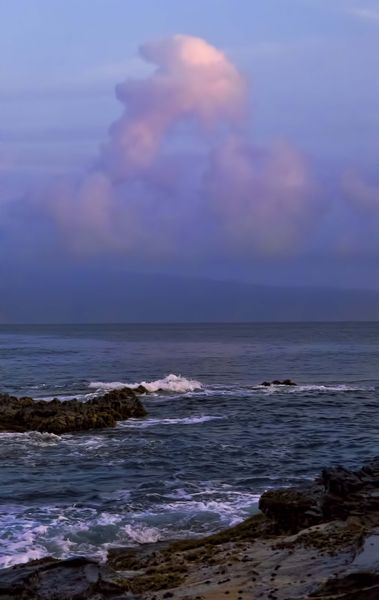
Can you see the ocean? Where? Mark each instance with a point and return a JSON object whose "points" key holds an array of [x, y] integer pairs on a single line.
{"points": [[214, 438]]}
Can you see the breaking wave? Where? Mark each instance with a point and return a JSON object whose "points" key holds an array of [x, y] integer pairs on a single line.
{"points": [[28, 533], [171, 383]]}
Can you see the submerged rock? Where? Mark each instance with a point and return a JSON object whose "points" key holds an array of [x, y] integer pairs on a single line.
{"points": [[56, 416], [278, 382]]}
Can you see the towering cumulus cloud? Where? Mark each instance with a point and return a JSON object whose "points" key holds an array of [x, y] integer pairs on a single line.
{"points": [[192, 80], [145, 190]]}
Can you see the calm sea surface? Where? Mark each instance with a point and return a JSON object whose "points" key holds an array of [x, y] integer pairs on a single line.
{"points": [[213, 440]]}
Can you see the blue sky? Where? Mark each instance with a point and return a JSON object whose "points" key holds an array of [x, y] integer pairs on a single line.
{"points": [[312, 77]]}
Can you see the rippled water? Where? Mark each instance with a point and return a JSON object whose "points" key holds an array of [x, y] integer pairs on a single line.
{"points": [[212, 441]]}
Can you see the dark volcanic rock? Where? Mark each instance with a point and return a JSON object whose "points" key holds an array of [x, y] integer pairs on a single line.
{"points": [[50, 579], [351, 492], [140, 389], [55, 416], [353, 586], [278, 382], [293, 509], [337, 494]]}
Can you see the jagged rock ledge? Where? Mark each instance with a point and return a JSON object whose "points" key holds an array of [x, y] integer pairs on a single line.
{"points": [[319, 541], [56, 416]]}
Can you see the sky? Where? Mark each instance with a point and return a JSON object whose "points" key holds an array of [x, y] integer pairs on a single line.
{"points": [[232, 140]]}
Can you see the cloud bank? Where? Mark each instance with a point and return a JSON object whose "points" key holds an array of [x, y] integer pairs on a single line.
{"points": [[262, 198], [180, 176]]}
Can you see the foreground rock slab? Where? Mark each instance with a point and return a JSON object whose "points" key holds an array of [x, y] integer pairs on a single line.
{"points": [[56, 416]]}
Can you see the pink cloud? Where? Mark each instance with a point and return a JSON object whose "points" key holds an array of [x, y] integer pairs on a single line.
{"points": [[262, 198], [192, 80], [142, 200]]}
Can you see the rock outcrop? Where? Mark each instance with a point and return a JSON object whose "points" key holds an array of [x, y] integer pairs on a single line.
{"points": [[56, 416], [337, 494], [47, 579], [50, 579], [263, 558], [278, 382]]}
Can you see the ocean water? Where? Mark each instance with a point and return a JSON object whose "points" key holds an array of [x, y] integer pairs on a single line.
{"points": [[213, 441]]}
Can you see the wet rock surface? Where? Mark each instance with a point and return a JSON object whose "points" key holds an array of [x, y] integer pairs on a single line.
{"points": [[274, 555], [56, 416]]}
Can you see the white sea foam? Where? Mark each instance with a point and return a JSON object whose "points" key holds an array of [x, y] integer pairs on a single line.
{"points": [[145, 423], [243, 390], [84, 444], [228, 510], [22, 546], [142, 534], [34, 438], [21, 552], [23, 537], [220, 505], [334, 388], [312, 387], [171, 383], [63, 532]]}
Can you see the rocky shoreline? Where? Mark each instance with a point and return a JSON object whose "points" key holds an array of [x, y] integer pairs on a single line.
{"points": [[56, 416], [319, 540]]}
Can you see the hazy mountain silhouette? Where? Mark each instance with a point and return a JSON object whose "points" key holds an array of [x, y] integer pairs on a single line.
{"points": [[117, 296]]}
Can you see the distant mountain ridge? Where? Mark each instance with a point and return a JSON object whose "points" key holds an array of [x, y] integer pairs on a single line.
{"points": [[117, 296]]}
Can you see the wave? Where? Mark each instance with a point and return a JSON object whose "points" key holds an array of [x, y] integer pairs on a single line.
{"points": [[218, 506], [335, 388], [28, 535], [177, 384], [244, 390], [170, 383], [228, 512], [311, 387], [34, 438], [63, 531], [138, 424]]}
